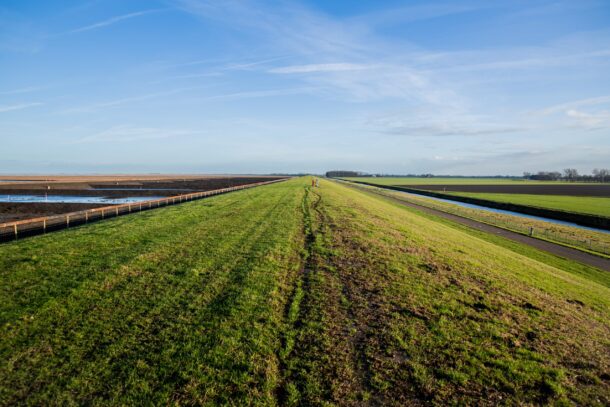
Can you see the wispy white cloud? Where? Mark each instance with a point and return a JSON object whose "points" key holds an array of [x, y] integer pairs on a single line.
{"points": [[252, 64], [113, 20], [19, 106], [575, 104], [590, 121], [369, 68], [125, 133], [260, 93], [312, 68], [196, 75], [411, 13], [123, 101], [587, 114], [548, 57], [27, 89], [451, 124]]}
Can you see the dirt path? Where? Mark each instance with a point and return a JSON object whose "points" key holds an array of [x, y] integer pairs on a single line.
{"points": [[556, 249]]}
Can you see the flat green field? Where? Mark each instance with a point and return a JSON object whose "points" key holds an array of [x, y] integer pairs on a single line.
{"points": [[452, 181], [286, 295], [589, 205]]}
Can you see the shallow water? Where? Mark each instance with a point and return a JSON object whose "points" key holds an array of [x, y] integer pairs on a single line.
{"points": [[74, 199], [505, 212], [140, 189]]}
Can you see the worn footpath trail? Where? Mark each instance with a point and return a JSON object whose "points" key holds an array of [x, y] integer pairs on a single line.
{"points": [[396, 309]]}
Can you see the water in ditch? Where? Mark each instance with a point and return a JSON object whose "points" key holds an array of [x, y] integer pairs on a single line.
{"points": [[505, 212], [74, 199]]}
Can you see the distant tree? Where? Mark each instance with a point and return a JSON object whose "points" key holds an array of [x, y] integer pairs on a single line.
{"points": [[342, 173], [570, 174], [601, 174], [527, 175], [546, 176]]}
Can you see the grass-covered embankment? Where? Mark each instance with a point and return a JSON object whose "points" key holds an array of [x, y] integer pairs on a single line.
{"points": [[178, 305], [284, 294], [401, 309], [580, 238]]}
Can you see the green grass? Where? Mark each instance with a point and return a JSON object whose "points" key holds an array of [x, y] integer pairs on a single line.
{"points": [[177, 305], [414, 309], [579, 204], [600, 276], [284, 295], [452, 181], [583, 239]]}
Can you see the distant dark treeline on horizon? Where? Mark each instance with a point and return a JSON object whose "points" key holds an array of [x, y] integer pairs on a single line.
{"points": [[346, 173], [568, 174]]}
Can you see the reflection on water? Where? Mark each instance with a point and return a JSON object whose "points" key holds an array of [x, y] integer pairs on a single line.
{"points": [[75, 199], [141, 189]]}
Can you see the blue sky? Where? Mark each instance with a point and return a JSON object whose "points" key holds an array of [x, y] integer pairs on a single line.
{"points": [[455, 87]]}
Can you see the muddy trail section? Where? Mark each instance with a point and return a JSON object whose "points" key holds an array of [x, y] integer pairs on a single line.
{"points": [[556, 249], [339, 321]]}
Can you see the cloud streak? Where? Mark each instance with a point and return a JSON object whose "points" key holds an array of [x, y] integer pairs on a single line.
{"points": [[589, 121], [113, 20], [575, 104], [19, 106], [260, 94], [19, 91], [313, 68], [124, 133]]}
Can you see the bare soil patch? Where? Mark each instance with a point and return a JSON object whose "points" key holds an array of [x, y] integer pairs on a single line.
{"points": [[13, 211], [120, 187], [105, 186]]}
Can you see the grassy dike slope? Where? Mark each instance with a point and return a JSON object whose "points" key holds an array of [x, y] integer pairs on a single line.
{"points": [[400, 309], [284, 295], [178, 305]]}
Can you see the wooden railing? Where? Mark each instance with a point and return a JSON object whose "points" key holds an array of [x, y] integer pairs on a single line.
{"points": [[29, 227]]}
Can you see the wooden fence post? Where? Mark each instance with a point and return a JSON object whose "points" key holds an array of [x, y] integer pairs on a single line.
{"points": [[15, 226]]}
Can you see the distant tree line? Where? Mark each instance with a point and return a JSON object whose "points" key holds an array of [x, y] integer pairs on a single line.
{"points": [[344, 173], [570, 174]]}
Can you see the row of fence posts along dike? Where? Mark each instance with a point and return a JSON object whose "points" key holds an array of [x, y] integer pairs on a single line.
{"points": [[539, 233], [592, 221], [36, 226]]}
